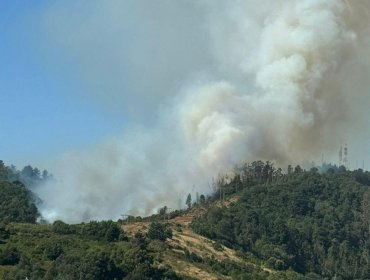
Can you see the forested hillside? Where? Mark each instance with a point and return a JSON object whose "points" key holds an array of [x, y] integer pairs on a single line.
{"points": [[30, 176], [260, 223], [17, 201], [16, 204], [90, 251], [313, 223]]}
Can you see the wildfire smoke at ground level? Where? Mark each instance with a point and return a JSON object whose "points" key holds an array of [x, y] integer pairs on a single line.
{"points": [[300, 78]]}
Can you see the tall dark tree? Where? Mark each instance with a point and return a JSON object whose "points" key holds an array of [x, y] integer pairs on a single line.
{"points": [[3, 171], [16, 203], [159, 231], [188, 201]]}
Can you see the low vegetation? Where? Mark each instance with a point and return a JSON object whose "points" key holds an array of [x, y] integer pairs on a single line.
{"points": [[260, 223], [95, 250]]}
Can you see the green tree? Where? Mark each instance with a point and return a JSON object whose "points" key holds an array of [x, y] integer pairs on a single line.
{"points": [[315, 223], [188, 201], [61, 227], [53, 250], [16, 203], [159, 231], [113, 233], [3, 171], [298, 169], [9, 256]]}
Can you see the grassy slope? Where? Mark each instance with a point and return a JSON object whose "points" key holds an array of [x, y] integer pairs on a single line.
{"points": [[186, 244]]}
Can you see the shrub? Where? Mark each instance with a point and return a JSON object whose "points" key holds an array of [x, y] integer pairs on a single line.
{"points": [[62, 228], [113, 233], [9, 256], [53, 251], [217, 246], [159, 231], [105, 230]]}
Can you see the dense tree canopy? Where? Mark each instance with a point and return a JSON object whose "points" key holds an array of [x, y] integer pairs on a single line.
{"points": [[310, 222], [16, 203], [30, 176], [91, 251], [303, 225]]}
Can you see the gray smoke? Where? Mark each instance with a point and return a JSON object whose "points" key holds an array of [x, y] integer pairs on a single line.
{"points": [[290, 81]]}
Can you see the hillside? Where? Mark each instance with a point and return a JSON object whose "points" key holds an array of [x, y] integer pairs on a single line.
{"points": [[314, 224], [262, 224], [193, 256], [16, 203]]}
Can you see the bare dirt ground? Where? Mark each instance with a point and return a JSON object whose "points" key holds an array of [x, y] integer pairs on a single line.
{"points": [[188, 269], [133, 228], [201, 246], [184, 239], [182, 220]]}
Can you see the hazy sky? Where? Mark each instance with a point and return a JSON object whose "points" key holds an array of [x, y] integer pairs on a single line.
{"points": [[42, 108], [72, 74], [148, 100]]}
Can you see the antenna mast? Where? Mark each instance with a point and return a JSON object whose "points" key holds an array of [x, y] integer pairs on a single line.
{"points": [[343, 155]]}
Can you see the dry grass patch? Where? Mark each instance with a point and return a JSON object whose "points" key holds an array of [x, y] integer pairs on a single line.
{"points": [[188, 269]]}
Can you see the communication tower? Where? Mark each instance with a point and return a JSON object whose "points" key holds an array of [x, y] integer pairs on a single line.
{"points": [[343, 155]]}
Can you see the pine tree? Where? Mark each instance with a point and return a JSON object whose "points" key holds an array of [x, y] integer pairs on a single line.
{"points": [[188, 201]]}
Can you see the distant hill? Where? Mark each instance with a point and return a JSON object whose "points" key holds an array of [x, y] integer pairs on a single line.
{"points": [[260, 223]]}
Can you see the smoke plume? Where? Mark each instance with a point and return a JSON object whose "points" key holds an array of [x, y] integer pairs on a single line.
{"points": [[290, 80]]}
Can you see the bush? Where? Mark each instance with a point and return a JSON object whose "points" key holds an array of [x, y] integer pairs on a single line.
{"points": [[4, 234], [159, 231], [217, 246], [9, 256], [62, 228], [53, 251], [103, 231], [113, 233], [276, 264]]}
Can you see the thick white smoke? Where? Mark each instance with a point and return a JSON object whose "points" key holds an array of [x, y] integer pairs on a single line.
{"points": [[283, 98]]}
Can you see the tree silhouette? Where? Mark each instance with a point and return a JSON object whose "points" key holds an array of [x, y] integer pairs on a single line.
{"points": [[188, 201]]}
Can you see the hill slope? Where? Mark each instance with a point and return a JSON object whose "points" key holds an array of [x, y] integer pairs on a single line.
{"points": [[16, 203], [267, 225], [193, 256], [305, 221]]}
